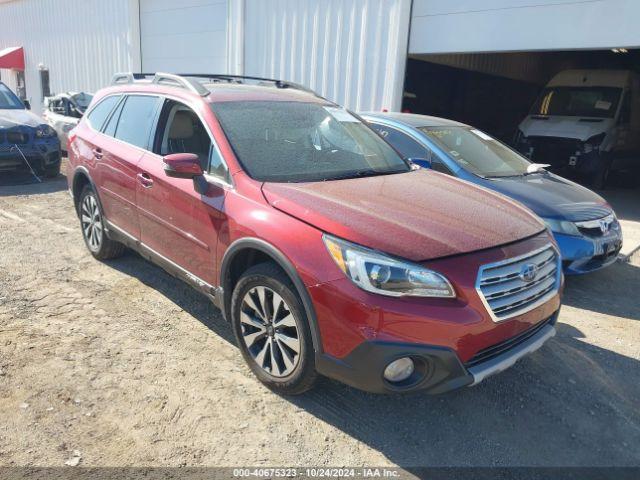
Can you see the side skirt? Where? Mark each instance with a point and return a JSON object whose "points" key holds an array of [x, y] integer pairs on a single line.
{"points": [[212, 293]]}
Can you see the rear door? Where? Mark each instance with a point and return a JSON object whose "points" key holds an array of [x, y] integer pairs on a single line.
{"points": [[178, 222], [118, 150]]}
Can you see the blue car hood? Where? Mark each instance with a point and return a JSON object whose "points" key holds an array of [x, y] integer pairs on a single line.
{"points": [[551, 196], [10, 118]]}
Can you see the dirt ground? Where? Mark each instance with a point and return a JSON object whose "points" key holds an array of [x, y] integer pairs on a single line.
{"points": [[119, 364]]}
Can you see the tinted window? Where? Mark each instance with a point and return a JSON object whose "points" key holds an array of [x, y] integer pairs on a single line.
{"points": [[402, 142], [100, 112], [304, 142], [136, 119]]}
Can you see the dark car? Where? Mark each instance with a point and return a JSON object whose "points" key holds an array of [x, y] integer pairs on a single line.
{"points": [[583, 223], [26, 141], [327, 252]]}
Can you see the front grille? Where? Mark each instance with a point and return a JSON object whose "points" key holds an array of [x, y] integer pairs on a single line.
{"points": [[17, 137], [509, 288], [554, 150], [500, 348], [598, 228]]}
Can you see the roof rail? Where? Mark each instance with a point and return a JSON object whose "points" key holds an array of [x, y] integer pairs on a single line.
{"points": [[222, 77], [184, 80], [161, 79]]}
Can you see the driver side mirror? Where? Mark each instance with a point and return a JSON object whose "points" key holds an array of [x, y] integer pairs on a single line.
{"points": [[27, 104], [423, 162], [182, 165]]}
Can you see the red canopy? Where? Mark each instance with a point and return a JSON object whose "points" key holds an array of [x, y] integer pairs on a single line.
{"points": [[12, 57]]}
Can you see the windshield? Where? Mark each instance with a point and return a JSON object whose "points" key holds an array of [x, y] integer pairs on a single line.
{"points": [[304, 142], [82, 101], [477, 152], [8, 100], [600, 102]]}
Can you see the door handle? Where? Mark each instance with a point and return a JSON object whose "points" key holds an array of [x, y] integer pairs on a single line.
{"points": [[145, 180], [97, 152]]}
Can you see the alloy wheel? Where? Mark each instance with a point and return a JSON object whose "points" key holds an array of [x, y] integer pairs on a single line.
{"points": [[270, 331], [91, 222]]}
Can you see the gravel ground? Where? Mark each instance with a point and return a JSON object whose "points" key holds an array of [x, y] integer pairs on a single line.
{"points": [[119, 364]]}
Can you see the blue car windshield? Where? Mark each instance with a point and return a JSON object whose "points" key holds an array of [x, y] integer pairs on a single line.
{"points": [[477, 152], [8, 99]]}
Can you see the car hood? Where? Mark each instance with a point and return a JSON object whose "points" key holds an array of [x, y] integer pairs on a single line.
{"points": [[12, 118], [564, 127], [419, 215], [549, 195]]}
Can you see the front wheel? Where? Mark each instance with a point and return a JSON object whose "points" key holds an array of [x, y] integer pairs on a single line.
{"points": [[272, 330]]}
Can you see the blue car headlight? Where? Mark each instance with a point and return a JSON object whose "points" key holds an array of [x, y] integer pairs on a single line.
{"points": [[45, 131], [562, 226]]}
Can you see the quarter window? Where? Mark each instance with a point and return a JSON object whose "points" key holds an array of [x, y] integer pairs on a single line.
{"points": [[136, 119], [100, 112]]}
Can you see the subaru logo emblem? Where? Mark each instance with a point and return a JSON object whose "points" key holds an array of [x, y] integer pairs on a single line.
{"points": [[528, 272], [604, 226]]}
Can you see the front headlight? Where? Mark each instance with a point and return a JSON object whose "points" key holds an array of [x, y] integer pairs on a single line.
{"points": [[376, 272], [562, 226], [45, 131]]}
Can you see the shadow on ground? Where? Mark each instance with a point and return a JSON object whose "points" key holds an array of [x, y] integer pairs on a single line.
{"points": [[24, 183], [571, 403]]}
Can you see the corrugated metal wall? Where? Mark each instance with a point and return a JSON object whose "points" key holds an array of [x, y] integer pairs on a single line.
{"points": [[82, 42], [350, 51]]}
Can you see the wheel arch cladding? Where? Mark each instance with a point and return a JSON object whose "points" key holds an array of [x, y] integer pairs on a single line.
{"points": [[246, 252]]}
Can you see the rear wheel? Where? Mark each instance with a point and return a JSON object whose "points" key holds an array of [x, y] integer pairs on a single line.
{"points": [[93, 231], [272, 330]]}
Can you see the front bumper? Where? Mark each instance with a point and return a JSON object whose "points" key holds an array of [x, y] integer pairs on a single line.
{"points": [[438, 369], [41, 155], [583, 254]]}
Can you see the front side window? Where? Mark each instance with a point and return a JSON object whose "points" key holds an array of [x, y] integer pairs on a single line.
{"points": [[8, 99], [181, 131], [601, 102], [101, 111], [477, 152], [136, 119], [279, 141]]}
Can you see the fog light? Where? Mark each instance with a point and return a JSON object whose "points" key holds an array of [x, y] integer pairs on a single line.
{"points": [[399, 370]]}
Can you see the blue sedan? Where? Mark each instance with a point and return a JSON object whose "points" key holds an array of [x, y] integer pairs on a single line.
{"points": [[583, 223]]}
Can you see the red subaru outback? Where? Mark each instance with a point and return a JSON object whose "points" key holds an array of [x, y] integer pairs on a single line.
{"points": [[328, 252]]}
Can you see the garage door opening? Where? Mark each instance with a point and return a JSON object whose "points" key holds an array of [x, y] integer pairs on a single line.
{"points": [[496, 91]]}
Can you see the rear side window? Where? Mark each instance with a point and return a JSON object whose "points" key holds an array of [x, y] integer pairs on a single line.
{"points": [[100, 112], [136, 120]]}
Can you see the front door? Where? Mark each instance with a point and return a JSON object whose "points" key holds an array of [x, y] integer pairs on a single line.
{"points": [[176, 221]]}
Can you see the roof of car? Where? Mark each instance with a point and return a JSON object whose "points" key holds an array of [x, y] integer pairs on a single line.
{"points": [[214, 87], [413, 119]]}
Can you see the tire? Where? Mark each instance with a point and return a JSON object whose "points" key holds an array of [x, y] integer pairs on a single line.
{"points": [[52, 172], [92, 227], [268, 340]]}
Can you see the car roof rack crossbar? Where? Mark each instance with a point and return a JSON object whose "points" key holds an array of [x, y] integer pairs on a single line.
{"points": [[161, 79]]}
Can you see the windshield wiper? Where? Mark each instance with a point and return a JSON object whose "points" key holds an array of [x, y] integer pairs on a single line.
{"points": [[361, 174]]}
